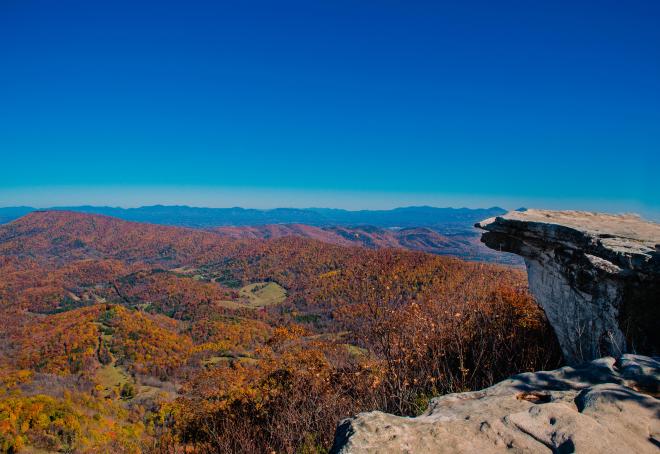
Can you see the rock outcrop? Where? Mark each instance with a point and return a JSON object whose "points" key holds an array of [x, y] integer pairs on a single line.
{"points": [[607, 405], [596, 276]]}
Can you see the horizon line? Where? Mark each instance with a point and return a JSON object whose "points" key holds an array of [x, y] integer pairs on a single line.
{"points": [[131, 197], [284, 207]]}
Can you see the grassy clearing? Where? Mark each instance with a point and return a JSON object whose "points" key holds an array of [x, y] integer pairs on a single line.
{"points": [[256, 295], [147, 393], [263, 294], [112, 378], [184, 270]]}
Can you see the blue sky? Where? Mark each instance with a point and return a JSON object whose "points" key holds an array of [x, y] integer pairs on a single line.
{"points": [[358, 104]]}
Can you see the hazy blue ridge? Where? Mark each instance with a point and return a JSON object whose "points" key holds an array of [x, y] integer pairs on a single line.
{"points": [[442, 219]]}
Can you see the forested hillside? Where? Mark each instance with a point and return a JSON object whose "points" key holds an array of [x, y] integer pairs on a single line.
{"points": [[125, 337], [443, 231], [466, 245]]}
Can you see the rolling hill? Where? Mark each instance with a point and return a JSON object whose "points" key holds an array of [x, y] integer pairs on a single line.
{"points": [[466, 246], [443, 231]]}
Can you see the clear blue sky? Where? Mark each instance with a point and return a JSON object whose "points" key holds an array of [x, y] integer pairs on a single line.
{"points": [[354, 103]]}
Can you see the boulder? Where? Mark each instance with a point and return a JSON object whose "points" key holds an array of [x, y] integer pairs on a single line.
{"points": [[606, 405], [596, 276]]}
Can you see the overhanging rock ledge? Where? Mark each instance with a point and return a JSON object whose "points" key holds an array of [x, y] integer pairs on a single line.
{"points": [[597, 276]]}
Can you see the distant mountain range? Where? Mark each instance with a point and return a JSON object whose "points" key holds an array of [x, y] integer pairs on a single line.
{"points": [[443, 231], [443, 220]]}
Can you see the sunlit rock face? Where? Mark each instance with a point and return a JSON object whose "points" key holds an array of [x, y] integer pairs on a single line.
{"points": [[597, 277], [606, 405]]}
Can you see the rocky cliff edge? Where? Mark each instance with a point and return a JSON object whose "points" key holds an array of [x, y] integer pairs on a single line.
{"points": [[596, 276], [607, 405]]}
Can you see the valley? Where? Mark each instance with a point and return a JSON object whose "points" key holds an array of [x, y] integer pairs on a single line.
{"points": [[140, 335]]}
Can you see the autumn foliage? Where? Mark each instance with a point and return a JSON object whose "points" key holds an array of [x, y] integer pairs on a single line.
{"points": [[136, 338]]}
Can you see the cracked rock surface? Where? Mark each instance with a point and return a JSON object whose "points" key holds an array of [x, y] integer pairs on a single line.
{"points": [[606, 405]]}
